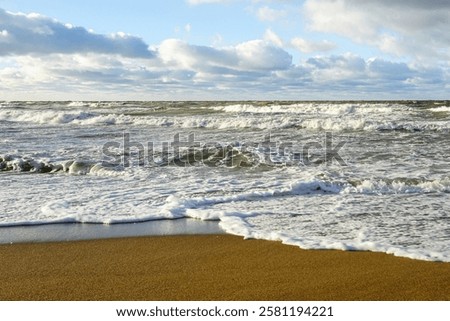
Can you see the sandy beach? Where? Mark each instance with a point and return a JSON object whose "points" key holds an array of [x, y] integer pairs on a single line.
{"points": [[211, 267]]}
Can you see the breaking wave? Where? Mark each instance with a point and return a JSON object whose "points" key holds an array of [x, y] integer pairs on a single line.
{"points": [[391, 197], [307, 116]]}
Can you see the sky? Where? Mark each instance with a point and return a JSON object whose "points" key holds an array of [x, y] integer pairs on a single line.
{"points": [[224, 49]]}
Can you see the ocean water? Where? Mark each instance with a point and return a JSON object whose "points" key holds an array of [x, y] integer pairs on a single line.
{"points": [[321, 175]]}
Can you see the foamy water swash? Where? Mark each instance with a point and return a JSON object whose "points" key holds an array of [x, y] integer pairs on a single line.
{"points": [[320, 175]]}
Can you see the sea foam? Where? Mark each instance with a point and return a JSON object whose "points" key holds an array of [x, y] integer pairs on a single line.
{"points": [[390, 194]]}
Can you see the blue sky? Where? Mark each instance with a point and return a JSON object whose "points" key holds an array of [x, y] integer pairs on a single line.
{"points": [[224, 49]]}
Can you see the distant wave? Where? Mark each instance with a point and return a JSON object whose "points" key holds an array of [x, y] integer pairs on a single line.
{"points": [[442, 109], [313, 122], [316, 109], [345, 117]]}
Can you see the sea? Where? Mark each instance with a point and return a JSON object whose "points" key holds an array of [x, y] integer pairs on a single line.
{"points": [[342, 175]]}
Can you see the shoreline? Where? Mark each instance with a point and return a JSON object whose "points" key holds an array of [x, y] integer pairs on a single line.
{"points": [[211, 267]]}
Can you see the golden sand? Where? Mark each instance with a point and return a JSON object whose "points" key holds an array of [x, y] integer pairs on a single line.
{"points": [[211, 267]]}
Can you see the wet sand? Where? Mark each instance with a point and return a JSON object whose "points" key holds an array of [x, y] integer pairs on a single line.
{"points": [[85, 231], [211, 267]]}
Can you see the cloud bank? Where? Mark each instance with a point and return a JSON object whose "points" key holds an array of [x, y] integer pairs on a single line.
{"points": [[41, 58], [417, 29], [35, 34]]}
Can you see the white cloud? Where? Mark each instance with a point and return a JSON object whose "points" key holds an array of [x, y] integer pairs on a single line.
{"points": [[268, 14], [36, 34], [4, 36], [312, 46], [257, 54], [183, 71], [337, 68], [298, 43], [273, 38], [217, 39], [60, 59], [389, 70], [253, 55], [417, 29], [180, 55]]}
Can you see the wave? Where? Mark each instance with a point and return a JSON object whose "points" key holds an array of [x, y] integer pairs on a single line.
{"points": [[264, 122], [286, 122], [232, 156], [236, 224], [98, 104], [242, 223], [307, 116], [314, 186], [398, 186], [441, 109], [242, 211], [316, 109], [20, 164], [226, 155], [14, 163], [61, 117], [197, 207]]}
